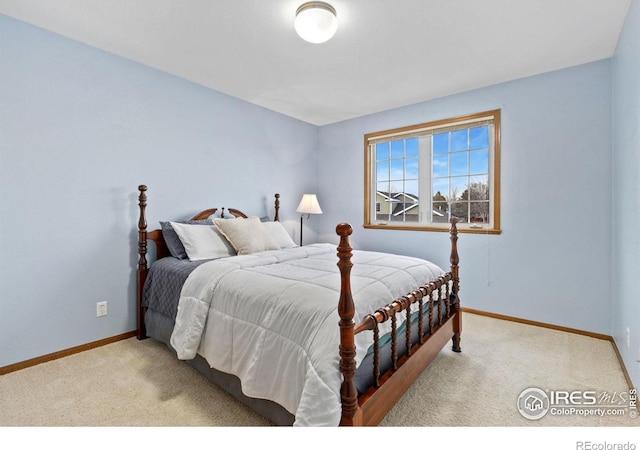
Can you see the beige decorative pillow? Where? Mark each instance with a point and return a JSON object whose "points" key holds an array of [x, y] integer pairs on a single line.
{"points": [[278, 232], [202, 241], [246, 235]]}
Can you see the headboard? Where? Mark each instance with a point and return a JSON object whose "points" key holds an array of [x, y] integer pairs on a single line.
{"points": [[156, 235]]}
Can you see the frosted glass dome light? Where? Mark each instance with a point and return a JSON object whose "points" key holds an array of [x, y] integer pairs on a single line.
{"points": [[316, 22]]}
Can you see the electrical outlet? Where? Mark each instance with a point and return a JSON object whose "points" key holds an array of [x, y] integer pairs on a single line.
{"points": [[101, 309], [628, 337]]}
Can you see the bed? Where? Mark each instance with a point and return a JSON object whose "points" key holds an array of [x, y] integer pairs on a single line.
{"points": [[299, 335]]}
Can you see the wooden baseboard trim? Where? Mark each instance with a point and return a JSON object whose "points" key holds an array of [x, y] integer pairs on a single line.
{"points": [[624, 368], [558, 328], [538, 324], [62, 353]]}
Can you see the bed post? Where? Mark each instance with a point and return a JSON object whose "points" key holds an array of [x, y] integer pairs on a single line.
{"points": [[351, 413], [276, 218], [142, 261], [454, 259]]}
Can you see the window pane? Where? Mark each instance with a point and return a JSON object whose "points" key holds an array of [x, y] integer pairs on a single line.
{"points": [[439, 208], [439, 215], [441, 186], [382, 204], [412, 214], [441, 143], [382, 187], [411, 168], [397, 149], [460, 211], [411, 148], [382, 151], [440, 166], [459, 163], [479, 212], [478, 188], [479, 161], [411, 188], [458, 187], [459, 140], [382, 170], [479, 137], [438, 197], [397, 169]]}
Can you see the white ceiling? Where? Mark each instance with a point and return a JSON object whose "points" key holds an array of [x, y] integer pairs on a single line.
{"points": [[386, 53]]}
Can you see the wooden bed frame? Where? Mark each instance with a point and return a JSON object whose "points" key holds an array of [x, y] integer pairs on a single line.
{"points": [[370, 407]]}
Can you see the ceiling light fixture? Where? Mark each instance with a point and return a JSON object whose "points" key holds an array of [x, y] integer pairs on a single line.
{"points": [[316, 22]]}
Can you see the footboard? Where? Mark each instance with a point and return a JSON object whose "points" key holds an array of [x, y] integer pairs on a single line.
{"points": [[370, 407]]}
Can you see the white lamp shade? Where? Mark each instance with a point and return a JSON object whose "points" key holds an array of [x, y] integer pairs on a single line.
{"points": [[309, 205], [316, 22]]}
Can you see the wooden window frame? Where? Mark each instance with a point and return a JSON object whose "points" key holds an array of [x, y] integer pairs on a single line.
{"points": [[493, 227]]}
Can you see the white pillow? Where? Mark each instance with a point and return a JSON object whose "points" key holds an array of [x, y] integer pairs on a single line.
{"points": [[277, 231], [203, 241], [246, 235]]}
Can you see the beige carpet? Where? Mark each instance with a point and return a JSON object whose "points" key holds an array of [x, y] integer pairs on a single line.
{"points": [[140, 383]]}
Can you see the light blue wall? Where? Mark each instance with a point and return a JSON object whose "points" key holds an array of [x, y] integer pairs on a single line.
{"points": [[80, 129], [626, 191], [552, 261]]}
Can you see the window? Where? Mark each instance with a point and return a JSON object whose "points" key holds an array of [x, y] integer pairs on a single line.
{"points": [[418, 177]]}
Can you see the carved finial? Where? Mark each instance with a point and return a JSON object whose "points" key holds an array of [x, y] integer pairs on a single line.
{"points": [[276, 218], [344, 229], [142, 227]]}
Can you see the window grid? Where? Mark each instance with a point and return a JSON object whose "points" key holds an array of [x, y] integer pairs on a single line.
{"points": [[396, 181], [474, 207], [462, 176]]}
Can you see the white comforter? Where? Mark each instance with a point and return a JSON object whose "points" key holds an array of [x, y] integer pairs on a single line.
{"points": [[271, 319]]}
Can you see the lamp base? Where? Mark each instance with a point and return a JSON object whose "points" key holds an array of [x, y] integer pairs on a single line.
{"points": [[301, 231]]}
